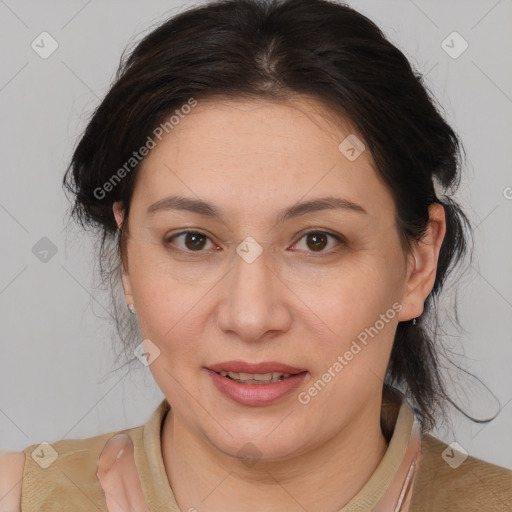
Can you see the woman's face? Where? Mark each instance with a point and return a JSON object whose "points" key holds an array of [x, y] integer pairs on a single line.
{"points": [[318, 289]]}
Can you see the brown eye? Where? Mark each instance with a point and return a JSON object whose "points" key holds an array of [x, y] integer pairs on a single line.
{"points": [[317, 241], [195, 241], [192, 241]]}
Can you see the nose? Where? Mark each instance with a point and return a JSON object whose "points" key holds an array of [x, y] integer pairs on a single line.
{"points": [[254, 300]]}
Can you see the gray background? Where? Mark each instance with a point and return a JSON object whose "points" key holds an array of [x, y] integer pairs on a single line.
{"points": [[55, 342]]}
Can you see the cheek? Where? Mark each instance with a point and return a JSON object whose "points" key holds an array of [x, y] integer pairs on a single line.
{"points": [[359, 310], [354, 295], [167, 307], [352, 345]]}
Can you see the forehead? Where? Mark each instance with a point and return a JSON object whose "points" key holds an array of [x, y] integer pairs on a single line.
{"points": [[259, 151], [224, 127]]}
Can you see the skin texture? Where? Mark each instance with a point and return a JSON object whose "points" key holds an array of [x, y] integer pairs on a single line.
{"points": [[297, 303], [11, 473]]}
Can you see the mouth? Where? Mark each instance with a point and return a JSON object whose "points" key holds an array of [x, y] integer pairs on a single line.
{"points": [[255, 378], [264, 368], [255, 373], [255, 384]]}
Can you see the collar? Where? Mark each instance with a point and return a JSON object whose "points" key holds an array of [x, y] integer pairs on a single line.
{"points": [[389, 488]]}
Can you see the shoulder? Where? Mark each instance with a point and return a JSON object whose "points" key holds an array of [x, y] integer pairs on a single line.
{"points": [[11, 475], [50, 476], [451, 480]]}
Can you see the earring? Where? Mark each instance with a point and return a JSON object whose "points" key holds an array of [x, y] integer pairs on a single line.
{"points": [[131, 308], [413, 321]]}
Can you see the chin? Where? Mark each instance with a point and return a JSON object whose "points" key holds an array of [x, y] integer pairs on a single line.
{"points": [[258, 443]]}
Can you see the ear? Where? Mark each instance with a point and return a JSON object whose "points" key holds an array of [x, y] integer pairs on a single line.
{"points": [[422, 265], [119, 216]]}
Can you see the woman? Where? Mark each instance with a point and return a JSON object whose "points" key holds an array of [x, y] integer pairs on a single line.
{"points": [[275, 178]]}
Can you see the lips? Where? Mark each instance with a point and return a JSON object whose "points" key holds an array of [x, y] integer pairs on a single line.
{"points": [[252, 368], [256, 394], [255, 384]]}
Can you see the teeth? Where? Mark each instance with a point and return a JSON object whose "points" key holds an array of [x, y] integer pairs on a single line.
{"points": [[256, 378]]}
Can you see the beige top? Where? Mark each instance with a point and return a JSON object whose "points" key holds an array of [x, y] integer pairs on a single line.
{"points": [[123, 471]]}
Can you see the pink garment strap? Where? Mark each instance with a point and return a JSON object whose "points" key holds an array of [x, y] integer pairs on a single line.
{"points": [[397, 498], [118, 476]]}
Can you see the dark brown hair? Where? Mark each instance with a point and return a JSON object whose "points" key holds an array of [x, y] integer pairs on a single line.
{"points": [[256, 49]]}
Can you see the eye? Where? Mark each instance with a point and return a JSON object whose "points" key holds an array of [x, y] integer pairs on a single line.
{"points": [[316, 241], [193, 241]]}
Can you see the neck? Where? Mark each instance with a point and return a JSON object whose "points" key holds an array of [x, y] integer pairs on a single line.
{"points": [[203, 478]]}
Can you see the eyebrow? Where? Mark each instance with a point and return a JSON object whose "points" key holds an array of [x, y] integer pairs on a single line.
{"points": [[209, 210]]}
